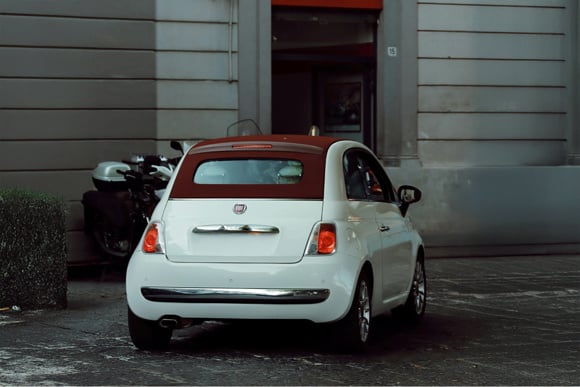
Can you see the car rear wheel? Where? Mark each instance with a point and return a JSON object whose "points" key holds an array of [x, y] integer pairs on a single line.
{"points": [[355, 327], [147, 334], [414, 308]]}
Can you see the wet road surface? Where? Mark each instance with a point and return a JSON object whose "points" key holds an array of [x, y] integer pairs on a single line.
{"points": [[489, 321]]}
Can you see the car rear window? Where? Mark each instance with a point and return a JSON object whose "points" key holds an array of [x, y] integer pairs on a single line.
{"points": [[249, 171], [250, 174]]}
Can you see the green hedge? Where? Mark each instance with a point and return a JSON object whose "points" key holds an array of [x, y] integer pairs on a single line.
{"points": [[33, 256]]}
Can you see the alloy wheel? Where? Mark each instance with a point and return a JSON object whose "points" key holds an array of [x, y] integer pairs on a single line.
{"points": [[364, 311], [419, 288]]}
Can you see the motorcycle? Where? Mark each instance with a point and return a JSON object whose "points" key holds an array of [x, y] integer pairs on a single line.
{"points": [[117, 212]]}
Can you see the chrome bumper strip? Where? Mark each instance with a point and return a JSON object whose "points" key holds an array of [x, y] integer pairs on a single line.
{"points": [[237, 228], [235, 296]]}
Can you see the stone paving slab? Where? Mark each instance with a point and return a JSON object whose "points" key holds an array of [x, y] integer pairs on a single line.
{"points": [[489, 321]]}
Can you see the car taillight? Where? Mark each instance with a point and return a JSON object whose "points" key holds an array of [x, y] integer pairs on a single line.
{"points": [[322, 240], [326, 239], [153, 239]]}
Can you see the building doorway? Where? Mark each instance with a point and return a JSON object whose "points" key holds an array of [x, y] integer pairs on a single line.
{"points": [[324, 72]]}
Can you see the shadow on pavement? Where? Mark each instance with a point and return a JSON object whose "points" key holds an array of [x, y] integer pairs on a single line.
{"points": [[435, 333], [104, 272]]}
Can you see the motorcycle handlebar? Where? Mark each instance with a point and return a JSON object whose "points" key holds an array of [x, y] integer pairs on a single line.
{"points": [[130, 174]]}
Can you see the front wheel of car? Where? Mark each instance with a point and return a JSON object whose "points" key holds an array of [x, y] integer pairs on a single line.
{"points": [[414, 308], [355, 327], [147, 334]]}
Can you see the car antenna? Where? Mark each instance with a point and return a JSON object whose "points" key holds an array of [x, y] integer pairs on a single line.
{"points": [[244, 127]]}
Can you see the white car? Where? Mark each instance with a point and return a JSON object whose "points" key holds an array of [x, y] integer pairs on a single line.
{"points": [[277, 227]]}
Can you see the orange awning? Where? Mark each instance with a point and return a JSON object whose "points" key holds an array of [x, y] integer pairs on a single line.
{"points": [[353, 4]]}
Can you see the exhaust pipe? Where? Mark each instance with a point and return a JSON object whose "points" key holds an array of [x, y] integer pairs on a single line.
{"points": [[169, 323]]}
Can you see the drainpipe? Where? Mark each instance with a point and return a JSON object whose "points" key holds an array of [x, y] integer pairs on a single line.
{"points": [[230, 42]]}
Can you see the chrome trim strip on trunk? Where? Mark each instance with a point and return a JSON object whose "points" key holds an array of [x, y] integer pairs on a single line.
{"points": [[235, 296], [237, 228]]}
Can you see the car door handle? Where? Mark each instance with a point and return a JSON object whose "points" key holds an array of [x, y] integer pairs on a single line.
{"points": [[383, 228]]}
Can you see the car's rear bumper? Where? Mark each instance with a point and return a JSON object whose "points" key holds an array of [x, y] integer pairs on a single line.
{"points": [[318, 288], [235, 296]]}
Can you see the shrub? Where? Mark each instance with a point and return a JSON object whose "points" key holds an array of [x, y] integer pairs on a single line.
{"points": [[33, 256]]}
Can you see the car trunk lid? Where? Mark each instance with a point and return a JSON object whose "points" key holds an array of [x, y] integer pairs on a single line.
{"points": [[239, 231]]}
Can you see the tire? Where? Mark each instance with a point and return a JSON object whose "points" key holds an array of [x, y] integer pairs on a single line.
{"points": [[355, 327], [414, 308], [147, 334], [106, 241]]}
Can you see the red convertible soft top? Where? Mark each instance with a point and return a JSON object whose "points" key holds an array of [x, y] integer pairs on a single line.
{"points": [[310, 151]]}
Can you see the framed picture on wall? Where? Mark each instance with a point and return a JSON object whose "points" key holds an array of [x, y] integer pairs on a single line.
{"points": [[342, 106]]}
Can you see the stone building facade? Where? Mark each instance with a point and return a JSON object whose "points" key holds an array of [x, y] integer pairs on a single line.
{"points": [[474, 101]]}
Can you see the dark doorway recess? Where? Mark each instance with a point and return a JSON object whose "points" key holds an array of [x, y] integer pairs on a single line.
{"points": [[324, 72]]}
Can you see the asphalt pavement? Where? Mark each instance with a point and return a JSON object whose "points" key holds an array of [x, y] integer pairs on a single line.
{"points": [[489, 321]]}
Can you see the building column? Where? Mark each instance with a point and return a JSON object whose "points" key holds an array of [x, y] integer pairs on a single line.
{"points": [[397, 83], [254, 62], [573, 132]]}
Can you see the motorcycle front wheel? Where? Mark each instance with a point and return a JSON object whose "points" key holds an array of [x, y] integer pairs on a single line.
{"points": [[110, 241]]}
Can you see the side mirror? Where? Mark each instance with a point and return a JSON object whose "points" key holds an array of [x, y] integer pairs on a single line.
{"points": [[407, 195], [177, 146]]}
